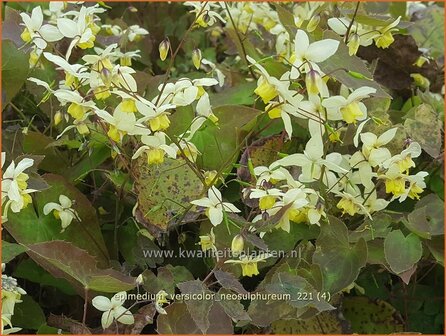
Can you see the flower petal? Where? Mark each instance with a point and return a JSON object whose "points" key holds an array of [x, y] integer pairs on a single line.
{"points": [[101, 303], [321, 50]]}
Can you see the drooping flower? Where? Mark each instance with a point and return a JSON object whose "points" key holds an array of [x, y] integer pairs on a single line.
{"points": [[349, 109], [249, 263]]}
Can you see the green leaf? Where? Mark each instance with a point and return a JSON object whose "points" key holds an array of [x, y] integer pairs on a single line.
{"points": [[198, 309], [436, 247], [10, 251], [96, 155], [339, 260], [402, 252], [29, 226], [424, 126], [428, 31], [63, 259], [164, 191], [15, 67], [28, 314], [54, 161], [241, 94], [29, 270], [178, 320], [377, 227], [427, 219], [371, 317], [324, 323], [217, 144]]}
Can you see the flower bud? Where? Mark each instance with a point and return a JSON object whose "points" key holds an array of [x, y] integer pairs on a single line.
{"points": [[209, 177], [164, 48], [313, 23], [133, 9], [196, 58], [313, 81], [106, 76], [237, 244], [57, 118], [139, 280]]}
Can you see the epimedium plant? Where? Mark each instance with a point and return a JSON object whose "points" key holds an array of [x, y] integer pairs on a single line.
{"points": [[147, 150]]}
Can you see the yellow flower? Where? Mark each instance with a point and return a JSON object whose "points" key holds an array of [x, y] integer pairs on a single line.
{"points": [[155, 156], [335, 136], [348, 206], [405, 164], [88, 44], [76, 111], [275, 113], [207, 242], [114, 134], [415, 191], [395, 186], [298, 215], [22, 179], [159, 123], [82, 128], [267, 202], [128, 105], [26, 36], [125, 61], [384, 40], [351, 112], [102, 93], [33, 58], [249, 263], [265, 90], [70, 79]]}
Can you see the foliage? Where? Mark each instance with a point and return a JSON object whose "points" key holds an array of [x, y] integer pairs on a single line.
{"points": [[222, 168]]}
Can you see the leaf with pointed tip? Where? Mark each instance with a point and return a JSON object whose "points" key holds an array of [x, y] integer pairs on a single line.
{"points": [[64, 260]]}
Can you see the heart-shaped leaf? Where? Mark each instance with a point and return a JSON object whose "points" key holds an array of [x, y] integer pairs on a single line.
{"points": [[402, 252]]}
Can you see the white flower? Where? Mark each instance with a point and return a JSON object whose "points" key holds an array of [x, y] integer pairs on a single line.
{"points": [[77, 30], [113, 309], [122, 123], [62, 210], [373, 148], [271, 173], [295, 199], [36, 32], [15, 186], [349, 109], [135, 32], [161, 298], [311, 160], [205, 16], [307, 55], [215, 206], [155, 146]]}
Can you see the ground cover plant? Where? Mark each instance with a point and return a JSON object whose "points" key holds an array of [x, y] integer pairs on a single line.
{"points": [[222, 167]]}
